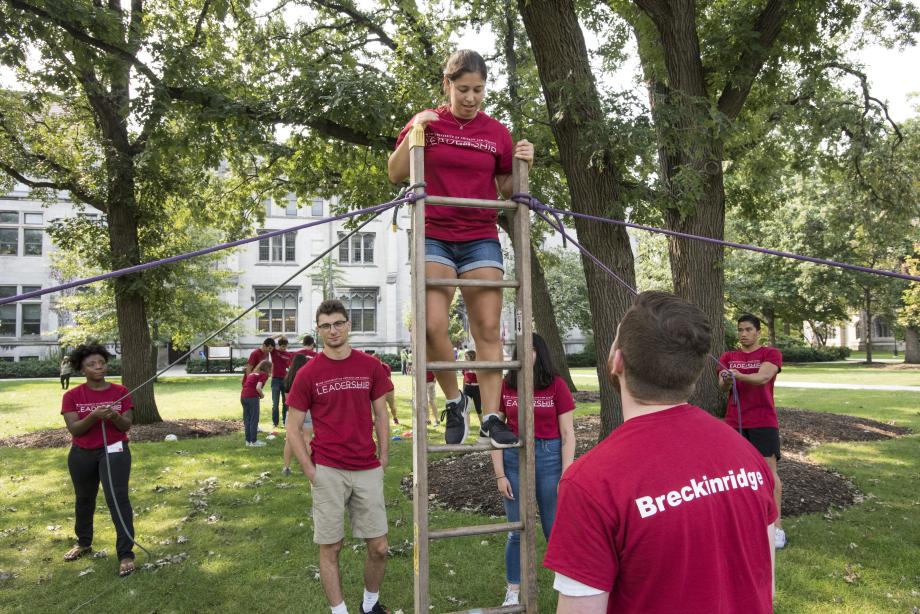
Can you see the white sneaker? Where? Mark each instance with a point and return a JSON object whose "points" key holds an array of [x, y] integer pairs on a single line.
{"points": [[258, 444], [511, 597], [779, 539], [248, 444]]}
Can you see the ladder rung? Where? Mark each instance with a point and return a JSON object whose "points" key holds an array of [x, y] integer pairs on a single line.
{"points": [[508, 609], [477, 283], [465, 448], [479, 529], [482, 365], [478, 203]]}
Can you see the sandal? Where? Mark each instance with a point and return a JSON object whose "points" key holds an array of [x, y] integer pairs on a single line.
{"points": [[76, 552], [126, 568]]}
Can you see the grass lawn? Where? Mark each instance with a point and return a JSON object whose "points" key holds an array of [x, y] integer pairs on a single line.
{"points": [[257, 554]]}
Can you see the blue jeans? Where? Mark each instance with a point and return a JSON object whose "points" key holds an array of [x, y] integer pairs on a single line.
{"points": [[465, 256], [548, 469], [278, 391], [250, 417]]}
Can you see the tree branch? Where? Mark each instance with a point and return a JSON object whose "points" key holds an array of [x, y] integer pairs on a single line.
{"points": [[867, 97], [359, 18], [65, 186], [767, 26]]}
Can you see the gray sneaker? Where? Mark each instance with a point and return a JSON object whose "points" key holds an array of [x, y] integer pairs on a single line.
{"points": [[286, 471], [454, 418], [498, 433]]}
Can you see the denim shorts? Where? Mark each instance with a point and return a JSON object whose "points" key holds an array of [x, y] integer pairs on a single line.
{"points": [[464, 256]]}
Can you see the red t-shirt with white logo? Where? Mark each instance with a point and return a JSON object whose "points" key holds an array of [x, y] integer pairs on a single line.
{"points": [[84, 400], [463, 163], [469, 378], [548, 404], [338, 395], [281, 360], [668, 514], [757, 407], [250, 382]]}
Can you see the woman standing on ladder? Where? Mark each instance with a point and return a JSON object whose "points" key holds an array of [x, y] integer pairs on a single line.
{"points": [[467, 155]]}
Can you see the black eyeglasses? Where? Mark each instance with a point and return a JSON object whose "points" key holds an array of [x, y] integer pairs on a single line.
{"points": [[327, 327]]}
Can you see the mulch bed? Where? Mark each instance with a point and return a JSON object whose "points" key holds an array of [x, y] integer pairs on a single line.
{"points": [[183, 429], [460, 482]]}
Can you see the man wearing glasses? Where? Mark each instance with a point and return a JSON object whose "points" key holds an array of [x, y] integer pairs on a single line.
{"points": [[341, 388]]}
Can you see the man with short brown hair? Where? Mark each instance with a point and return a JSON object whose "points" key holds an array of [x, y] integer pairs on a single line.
{"points": [[340, 387], [673, 511]]}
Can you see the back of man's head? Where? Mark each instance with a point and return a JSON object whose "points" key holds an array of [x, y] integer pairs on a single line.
{"points": [[309, 341], [664, 341], [268, 343]]}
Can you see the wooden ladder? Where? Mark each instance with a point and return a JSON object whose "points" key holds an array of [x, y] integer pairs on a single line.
{"points": [[524, 339]]}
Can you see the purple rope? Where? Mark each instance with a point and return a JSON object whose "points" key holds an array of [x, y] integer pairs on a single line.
{"points": [[536, 205], [561, 230], [410, 197]]}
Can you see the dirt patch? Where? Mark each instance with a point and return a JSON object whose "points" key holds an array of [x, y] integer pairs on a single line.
{"points": [[183, 429], [457, 482]]}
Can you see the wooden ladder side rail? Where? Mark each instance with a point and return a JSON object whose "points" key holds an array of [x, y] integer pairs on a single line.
{"points": [[524, 328]]}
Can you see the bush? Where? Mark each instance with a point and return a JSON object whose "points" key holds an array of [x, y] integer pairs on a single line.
{"points": [[393, 361], [806, 353], [199, 365], [45, 368]]}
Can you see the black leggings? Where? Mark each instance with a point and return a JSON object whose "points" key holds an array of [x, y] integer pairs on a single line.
{"points": [[87, 470]]}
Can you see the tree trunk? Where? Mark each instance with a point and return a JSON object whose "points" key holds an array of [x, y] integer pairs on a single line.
{"points": [[578, 126], [770, 320], [912, 345], [867, 301], [130, 309], [543, 315]]}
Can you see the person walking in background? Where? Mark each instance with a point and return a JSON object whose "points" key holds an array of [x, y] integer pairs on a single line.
{"points": [[391, 395], [89, 409], [281, 358], [297, 362], [404, 361], [554, 451], [431, 385], [66, 372], [309, 347], [471, 387], [250, 397]]}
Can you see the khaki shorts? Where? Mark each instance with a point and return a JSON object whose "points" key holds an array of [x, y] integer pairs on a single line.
{"points": [[361, 492]]}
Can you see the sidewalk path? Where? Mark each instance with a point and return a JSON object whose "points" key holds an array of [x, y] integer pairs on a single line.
{"points": [[821, 385]]}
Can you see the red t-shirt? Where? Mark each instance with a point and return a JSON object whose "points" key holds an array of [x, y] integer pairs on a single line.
{"points": [[668, 514], [548, 405], [429, 376], [281, 360], [306, 352], [387, 368], [463, 163], [469, 378], [84, 400], [250, 382], [338, 395], [757, 407], [255, 357]]}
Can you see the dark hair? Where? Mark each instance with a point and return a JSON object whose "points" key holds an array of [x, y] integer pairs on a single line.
{"points": [[283, 341], [82, 352], [471, 354], [269, 341], [749, 317], [298, 361], [329, 307], [544, 371], [370, 352], [309, 340], [664, 341], [463, 61]]}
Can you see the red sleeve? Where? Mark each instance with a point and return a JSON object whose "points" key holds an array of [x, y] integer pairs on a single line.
{"points": [[505, 152], [562, 397], [380, 382], [252, 358], [67, 402], [263, 377], [300, 397], [723, 362], [770, 511], [405, 130], [775, 356], [581, 543]]}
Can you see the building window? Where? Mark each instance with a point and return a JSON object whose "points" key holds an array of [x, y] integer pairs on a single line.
{"points": [[280, 248], [32, 241], [32, 219], [267, 203], [291, 209], [7, 313], [361, 304], [278, 314], [316, 210], [881, 328], [358, 249], [9, 217], [28, 314], [9, 241]]}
